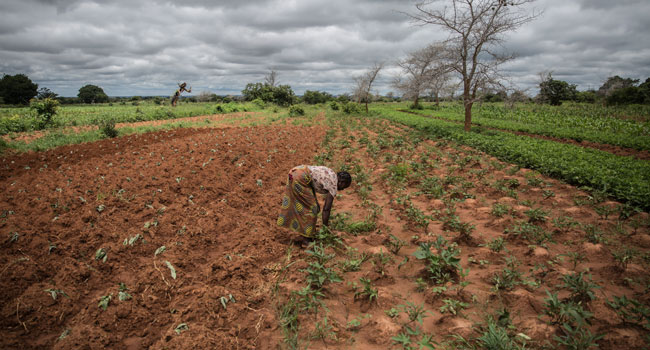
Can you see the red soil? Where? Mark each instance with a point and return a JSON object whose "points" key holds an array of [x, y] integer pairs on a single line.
{"points": [[196, 191], [208, 195]]}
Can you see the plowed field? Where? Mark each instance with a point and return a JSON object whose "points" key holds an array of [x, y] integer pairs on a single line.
{"points": [[84, 227]]}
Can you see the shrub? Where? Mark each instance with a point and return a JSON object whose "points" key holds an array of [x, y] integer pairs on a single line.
{"points": [[296, 110], [107, 127], [259, 103], [334, 106], [351, 108], [45, 109]]}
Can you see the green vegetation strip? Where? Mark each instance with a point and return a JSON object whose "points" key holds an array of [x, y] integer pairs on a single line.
{"points": [[577, 122], [26, 119], [623, 178]]}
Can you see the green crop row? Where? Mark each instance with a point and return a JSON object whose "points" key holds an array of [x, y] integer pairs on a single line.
{"points": [[609, 125], [25, 119], [624, 178]]}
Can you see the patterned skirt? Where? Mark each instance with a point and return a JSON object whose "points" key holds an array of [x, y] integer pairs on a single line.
{"points": [[299, 204]]}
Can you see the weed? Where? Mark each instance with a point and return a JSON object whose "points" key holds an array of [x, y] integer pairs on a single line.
{"points": [[441, 267], [324, 330], [54, 293], [631, 311], [132, 240], [509, 276], [354, 260], [100, 254], [367, 292], [226, 299], [355, 323], [578, 337], [452, 306], [496, 245], [394, 244], [580, 285], [594, 234], [605, 211], [392, 313], [432, 187], [380, 260], [288, 317], [623, 257], [548, 194], [317, 272], [415, 313], [310, 299], [182, 327], [565, 223], [537, 215], [562, 312], [530, 232], [104, 301], [499, 210], [575, 258], [123, 292]]}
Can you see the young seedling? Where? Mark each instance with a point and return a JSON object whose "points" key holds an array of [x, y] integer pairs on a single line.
{"points": [[380, 261], [581, 287], [624, 257], [452, 306], [367, 292], [104, 301], [123, 294], [394, 244], [54, 293]]}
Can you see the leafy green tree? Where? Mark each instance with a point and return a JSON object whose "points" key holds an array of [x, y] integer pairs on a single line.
{"points": [[588, 96], [281, 95], [555, 91], [614, 83], [626, 95], [17, 89], [314, 97], [92, 94]]}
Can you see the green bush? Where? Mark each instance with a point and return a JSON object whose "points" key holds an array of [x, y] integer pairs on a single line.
{"points": [[334, 106], [351, 108], [259, 103], [45, 109], [296, 110]]}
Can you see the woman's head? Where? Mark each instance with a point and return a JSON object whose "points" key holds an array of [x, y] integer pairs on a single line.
{"points": [[182, 86], [344, 180]]}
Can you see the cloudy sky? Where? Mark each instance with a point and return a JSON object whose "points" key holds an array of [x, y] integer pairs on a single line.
{"points": [[134, 47]]}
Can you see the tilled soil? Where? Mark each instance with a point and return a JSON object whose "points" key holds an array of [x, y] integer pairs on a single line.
{"points": [[211, 196], [207, 195], [351, 320]]}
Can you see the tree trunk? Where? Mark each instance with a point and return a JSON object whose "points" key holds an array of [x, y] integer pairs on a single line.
{"points": [[468, 115], [437, 100], [416, 101]]}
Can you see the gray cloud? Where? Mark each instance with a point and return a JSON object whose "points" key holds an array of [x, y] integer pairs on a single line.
{"points": [[132, 47]]}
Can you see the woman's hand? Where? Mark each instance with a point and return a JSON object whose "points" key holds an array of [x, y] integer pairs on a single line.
{"points": [[326, 209]]}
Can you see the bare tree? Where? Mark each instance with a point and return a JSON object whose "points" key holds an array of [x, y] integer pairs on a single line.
{"points": [[271, 78], [421, 70], [364, 83], [475, 27]]}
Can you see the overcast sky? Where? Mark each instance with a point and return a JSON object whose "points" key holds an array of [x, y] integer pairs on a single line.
{"points": [[133, 47]]}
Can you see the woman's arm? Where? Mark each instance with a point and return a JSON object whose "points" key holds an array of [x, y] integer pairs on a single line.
{"points": [[326, 209]]}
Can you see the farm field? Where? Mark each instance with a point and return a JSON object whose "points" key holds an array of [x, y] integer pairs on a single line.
{"points": [[435, 245], [623, 126]]}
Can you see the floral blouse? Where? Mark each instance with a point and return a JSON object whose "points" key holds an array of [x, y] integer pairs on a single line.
{"points": [[324, 179]]}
